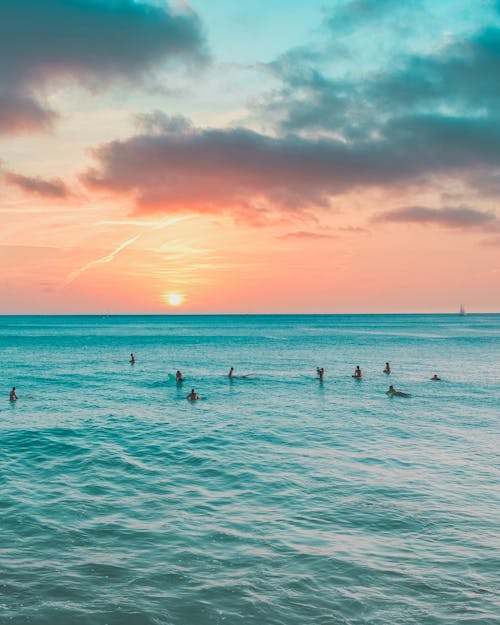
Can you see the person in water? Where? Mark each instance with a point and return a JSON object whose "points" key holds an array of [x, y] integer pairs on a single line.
{"points": [[13, 395], [393, 392], [358, 373], [231, 373], [387, 368], [435, 377], [192, 395], [178, 377], [132, 359], [321, 372]]}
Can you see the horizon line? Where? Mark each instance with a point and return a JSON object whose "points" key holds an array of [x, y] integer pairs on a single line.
{"points": [[242, 314]]}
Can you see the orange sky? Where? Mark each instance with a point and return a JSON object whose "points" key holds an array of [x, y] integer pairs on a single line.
{"points": [[250, 180]]}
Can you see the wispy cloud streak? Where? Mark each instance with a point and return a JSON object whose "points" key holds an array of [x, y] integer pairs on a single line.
{"points": [[71, 277]]}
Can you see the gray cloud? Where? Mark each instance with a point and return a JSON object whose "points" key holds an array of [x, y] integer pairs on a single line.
{"points": [[54, 188], [158, 122], [420, 117], [461, 78], [95, 42], [451, 217], [463, 75], [22, 115], [180, 167], [421, 113]]}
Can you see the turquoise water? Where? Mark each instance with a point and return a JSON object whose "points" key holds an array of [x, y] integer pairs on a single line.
{"points": [[273, 500]]}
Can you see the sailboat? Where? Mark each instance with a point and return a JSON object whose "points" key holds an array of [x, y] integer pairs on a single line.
{"points": [[462, 312]]}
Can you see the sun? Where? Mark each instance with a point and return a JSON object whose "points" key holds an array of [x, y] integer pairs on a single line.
{"points": [[174, 299]]}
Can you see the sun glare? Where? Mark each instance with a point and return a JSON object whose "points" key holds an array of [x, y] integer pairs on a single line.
{"points": [[174, 299]]}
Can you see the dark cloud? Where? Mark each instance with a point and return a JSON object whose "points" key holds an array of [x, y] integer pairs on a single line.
{"points": [[215, 170], [95, 42], [187, 168], [417, 118], [461, 79], [180, 167], [451, 217], [422, 114], [54, 188], [462, 75]]}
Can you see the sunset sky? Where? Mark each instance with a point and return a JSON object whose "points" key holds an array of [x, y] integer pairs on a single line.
{"points": [[249, 156]]}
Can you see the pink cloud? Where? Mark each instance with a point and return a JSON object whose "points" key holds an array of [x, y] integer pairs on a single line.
{"points": [[54, 188]]}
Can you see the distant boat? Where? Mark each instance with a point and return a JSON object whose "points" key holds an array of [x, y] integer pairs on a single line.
{"points": [[462, 312]]}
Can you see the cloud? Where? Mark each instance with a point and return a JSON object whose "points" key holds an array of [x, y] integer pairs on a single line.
{"points": [[108, 258], [96, 43], [420, 117], [179, 167], [459, 79], [19, 115], [491, 242], [353, 230], [424, 111], [461, 75], [354, 14], [158, 123], [54, 188], [215, 170], [305, 235], [451, 217]]}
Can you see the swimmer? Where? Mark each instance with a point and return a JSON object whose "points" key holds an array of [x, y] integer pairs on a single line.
{"points": [[393, 392], [13, 395], [321, 372], [193, 395], [132, 359], [231, 375], [358, 373], [435, 377], [178, 377], [387, 368]]}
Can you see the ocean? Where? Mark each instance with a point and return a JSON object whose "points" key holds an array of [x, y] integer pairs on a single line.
{"points": [[275, 499]]}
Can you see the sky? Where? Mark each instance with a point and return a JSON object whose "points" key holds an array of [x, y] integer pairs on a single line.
{"points": [[259, 156]]}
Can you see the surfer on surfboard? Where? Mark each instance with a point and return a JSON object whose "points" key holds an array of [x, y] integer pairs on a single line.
{"points": [[231, 375], [392, 392]]}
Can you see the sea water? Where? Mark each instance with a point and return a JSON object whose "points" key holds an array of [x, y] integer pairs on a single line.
{"points": [[275, 499]]}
